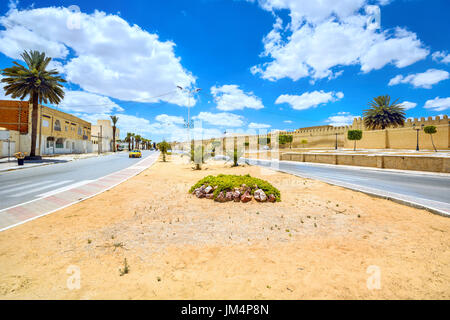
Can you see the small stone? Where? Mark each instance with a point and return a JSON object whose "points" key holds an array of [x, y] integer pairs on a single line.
{"points": [[246, 197], [209, 196], [260, 196], [221, 197], [200, 194], [229, 196], [272, 198], [208, 189], [237, 196]]}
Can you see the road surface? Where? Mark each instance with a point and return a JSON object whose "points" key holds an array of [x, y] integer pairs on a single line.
{"points": [[431, 191], [20, 186]]}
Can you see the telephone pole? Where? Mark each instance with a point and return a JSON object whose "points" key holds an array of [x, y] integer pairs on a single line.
{"points": [[188, 124]]}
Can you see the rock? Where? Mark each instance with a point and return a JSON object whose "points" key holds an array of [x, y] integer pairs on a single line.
{"points": [[229, 196], [259, 195], [237, 196], [272, 198], [200, 194], [246, 197], [209, 196], [221, 197], [208, 189]]}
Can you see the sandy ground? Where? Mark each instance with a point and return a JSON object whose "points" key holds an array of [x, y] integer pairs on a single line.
{"points": [[321, 241]]}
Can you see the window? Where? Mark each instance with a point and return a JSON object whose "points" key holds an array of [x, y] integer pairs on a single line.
{"points": [[66, 129], [67, 144], [59, 143], [79, 131], [45, 123], [57, 126]]}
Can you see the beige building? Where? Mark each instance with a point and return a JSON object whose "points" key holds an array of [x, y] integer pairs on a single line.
{"points": [[102, 136], [57, 132]]}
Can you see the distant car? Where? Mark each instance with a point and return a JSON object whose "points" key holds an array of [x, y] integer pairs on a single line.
{"points": [[135, 154]]}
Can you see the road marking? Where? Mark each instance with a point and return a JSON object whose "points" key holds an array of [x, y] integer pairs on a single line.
{"points": [[27, 186], [41, 188], [15, 185], [65, 188]]}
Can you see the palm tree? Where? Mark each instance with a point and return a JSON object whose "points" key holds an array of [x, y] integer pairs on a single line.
{"points": [[138, 139], [128, 139], [114, 120], [35, 81], [132, 140], [383, 114]]}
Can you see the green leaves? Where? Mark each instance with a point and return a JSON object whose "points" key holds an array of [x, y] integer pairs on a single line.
{"points": [[21, 81], [430, 129], [354, 134], [383, 114], [229, 182]]}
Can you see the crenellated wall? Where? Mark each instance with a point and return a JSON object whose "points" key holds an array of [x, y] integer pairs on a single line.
{"points": [[391, 138]]}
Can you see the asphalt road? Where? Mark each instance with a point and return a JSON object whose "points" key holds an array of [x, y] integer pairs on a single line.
{"points": [[428, 190], [24, 185]]}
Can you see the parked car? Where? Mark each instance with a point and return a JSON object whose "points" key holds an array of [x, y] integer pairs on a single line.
{"points": [[135, 154]]}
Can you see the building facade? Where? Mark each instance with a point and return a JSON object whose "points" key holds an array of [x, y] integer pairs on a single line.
{"points": [[57, 132], [102, 136]]}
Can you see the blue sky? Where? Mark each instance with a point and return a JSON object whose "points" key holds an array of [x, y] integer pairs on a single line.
{"points": [[261, 64]]}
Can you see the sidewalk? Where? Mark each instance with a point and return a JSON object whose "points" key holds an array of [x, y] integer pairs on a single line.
{"points": [[10, 165], [36, 208]]}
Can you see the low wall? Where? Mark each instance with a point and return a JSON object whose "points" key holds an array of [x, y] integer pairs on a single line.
{"points": [[419, 163]]}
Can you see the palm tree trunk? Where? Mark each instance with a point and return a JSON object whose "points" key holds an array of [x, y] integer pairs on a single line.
{"points": [[34, 123], [114, 138], [129, 140], [432, 142]]}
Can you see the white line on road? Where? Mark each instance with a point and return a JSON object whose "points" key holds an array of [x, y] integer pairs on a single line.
{"points": [[15, 185], [65, 188], [39, 189], [27, 186]]}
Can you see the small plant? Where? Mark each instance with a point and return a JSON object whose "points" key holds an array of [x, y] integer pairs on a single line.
{"points": [[235, 155], [164, 147], [229, 182], [431, 130], [89, 241], [304, 142], [199, 155], [286, 138], [158, 279], [126, 268], [20, 155], [354, 135]]}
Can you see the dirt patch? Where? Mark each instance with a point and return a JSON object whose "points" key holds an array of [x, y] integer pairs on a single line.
{"points": [[318, 242]]}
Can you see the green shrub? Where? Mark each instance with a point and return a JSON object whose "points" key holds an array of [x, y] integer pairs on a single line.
{"points": [[354, 135], [227, 182]]}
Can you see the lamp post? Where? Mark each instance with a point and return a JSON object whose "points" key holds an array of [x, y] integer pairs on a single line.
{"points": [[188, 124], [414, 128], [336, 145]]}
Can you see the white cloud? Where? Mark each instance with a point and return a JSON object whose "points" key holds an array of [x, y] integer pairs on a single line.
{"points": [[230, 97], [223, 119], [421, 80], [324, 35], [408, 105], [309, 99], [441, 56], [85, 102], [164, 118], [105, 55], [438, 104], [254, 125], [287, 121], [341, 119]]}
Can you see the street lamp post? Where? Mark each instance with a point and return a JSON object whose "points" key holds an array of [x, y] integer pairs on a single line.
{"points": [[336, 145], [417, 130], [189, 124]]}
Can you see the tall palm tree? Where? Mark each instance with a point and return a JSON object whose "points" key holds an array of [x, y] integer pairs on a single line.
{"points": [[383, 114], [132, 140], [114, 120], [138, 139], [35, 81], [128, 139]]}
